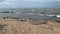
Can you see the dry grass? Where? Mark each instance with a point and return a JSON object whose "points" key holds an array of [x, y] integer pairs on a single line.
{"points": [[14, 26]]}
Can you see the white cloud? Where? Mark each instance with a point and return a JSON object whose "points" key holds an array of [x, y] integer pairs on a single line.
{"points": [[8, 2], [5, 3], [40, 0]]}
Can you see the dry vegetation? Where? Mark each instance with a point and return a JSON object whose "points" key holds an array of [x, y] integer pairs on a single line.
{"points": [[17, 26]]}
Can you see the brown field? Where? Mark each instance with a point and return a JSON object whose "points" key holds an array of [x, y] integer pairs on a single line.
{"points": [[17, 26]]}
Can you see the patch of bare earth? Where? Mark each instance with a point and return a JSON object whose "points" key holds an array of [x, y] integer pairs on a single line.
{"points": [[15, 26]]}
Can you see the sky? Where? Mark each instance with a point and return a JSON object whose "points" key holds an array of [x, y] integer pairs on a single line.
{"points": [[29, 3]]}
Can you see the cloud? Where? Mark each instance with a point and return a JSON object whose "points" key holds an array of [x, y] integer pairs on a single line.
{"points": [[2, 0], [39, 0], [29, 3], [5, 3], [8, 2]]}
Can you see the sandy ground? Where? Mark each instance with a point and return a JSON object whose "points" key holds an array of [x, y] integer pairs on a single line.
{"points": [[15, 26]]}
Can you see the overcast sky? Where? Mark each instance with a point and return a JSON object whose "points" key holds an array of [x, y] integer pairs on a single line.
{"points": [[29, 3]]}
